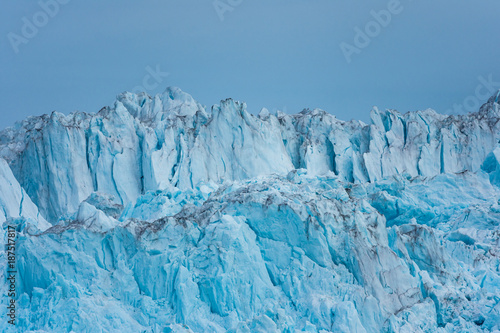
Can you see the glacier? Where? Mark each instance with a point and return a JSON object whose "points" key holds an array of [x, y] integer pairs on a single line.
{"points": [[158, 215]]}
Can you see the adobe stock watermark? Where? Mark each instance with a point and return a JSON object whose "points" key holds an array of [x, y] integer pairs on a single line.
{"points": [[151, 80], [373, 28], [30, 28], [484, 90], [223, 6], [10, 251]]}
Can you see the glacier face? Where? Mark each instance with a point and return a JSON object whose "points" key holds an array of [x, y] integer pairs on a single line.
{"points": [[156, 215]]}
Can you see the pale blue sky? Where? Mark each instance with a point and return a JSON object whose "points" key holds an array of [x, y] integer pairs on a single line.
{"points": [[275, 54]]}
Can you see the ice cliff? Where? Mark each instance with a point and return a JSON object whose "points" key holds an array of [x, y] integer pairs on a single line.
{"points": [[157, 215]]}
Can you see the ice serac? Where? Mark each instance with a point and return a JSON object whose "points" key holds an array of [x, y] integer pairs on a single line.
{"points": [[140, 144], [15, 202], [492, 166], [166, 217], [148, 143]]}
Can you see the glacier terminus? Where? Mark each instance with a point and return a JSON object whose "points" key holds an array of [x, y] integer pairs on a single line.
{"points": [[159, 215]]}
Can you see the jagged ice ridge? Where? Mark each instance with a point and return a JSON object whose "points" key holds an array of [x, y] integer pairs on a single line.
{"points": [[156, 215]]}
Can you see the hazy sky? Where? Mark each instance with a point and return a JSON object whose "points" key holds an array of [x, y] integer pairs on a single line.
{"points": [[276, 54]]}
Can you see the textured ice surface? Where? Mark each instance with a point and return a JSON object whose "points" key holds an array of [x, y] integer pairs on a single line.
{"points": [[166, 217]]}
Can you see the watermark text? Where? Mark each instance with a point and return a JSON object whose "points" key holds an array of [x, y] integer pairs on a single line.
{"points": [[31, 26], [10, 251]]}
